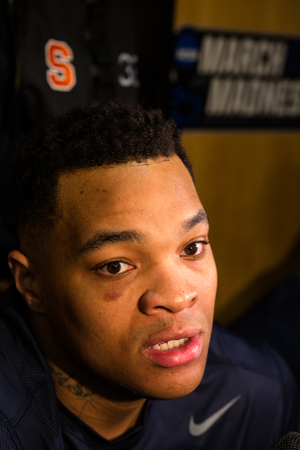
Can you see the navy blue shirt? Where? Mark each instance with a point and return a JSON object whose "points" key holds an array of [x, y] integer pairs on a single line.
{"points": [[246, 400]]}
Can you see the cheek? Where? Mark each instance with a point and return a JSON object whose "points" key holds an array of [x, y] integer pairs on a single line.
{"points": [[93, 334], [207, 290], [100, 317]]}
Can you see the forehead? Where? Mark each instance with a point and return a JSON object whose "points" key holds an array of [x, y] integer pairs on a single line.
{"points": [[130, 195]]}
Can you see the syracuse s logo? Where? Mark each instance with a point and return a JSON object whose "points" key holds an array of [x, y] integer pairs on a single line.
{"points": [[61, 74]]}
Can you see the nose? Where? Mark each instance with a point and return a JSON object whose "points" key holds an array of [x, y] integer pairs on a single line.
{"points": [[168, 290]]}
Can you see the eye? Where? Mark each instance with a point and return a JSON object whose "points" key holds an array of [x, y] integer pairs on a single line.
{"points": [[194, 248], [115, 268]]}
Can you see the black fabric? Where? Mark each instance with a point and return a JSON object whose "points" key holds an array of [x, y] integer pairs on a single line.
{"points": [[6, 439], [96, 31], [8, 239], [255, 383]]}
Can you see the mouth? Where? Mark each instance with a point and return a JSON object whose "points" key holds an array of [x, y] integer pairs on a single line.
{"points": [[175, 352], [169, 345]]}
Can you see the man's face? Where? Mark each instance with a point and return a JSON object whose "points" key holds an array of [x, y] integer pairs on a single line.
{"points": [[128, 274]]}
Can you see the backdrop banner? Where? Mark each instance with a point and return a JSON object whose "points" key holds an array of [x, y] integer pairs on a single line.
{"points": [[234, 79]]}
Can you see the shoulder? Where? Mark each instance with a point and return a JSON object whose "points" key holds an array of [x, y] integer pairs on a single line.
{"points": [[22, 364], [27, 393], [254, 374], [247, 395], [255, 358]]}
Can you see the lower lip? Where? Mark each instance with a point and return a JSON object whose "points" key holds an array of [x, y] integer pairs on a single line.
{"points": [[178, 356]]}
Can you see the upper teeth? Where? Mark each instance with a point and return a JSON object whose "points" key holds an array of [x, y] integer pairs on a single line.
{"points": [[170, 344]]}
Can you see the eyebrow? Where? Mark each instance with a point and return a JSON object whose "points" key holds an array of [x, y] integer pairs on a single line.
{"points": [[201, 216], [105, 238]]}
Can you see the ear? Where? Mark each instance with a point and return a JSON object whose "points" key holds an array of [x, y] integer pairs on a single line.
{"points": [[26, 281]]}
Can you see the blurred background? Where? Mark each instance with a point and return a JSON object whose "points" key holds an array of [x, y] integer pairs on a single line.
{"points": [[228, 73]]}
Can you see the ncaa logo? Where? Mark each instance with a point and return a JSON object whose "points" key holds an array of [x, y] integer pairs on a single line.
{"points": [[186, 51]]}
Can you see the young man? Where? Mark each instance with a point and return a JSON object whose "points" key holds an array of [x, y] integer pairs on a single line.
{"points": [[105, 336]]}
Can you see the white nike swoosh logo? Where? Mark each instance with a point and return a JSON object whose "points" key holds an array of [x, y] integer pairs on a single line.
{"points": [[200, 428]]}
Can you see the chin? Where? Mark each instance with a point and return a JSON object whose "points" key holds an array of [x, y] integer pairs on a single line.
{"points": [[172, 383], [171, 392]]}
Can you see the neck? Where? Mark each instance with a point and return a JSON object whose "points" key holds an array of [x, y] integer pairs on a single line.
{"points": [[110, 418]]}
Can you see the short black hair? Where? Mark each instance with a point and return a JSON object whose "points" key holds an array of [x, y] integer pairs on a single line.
{"points": [[111, 134]]}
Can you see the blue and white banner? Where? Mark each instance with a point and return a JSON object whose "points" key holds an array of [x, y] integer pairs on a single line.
{"points": [[228, 79]]}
